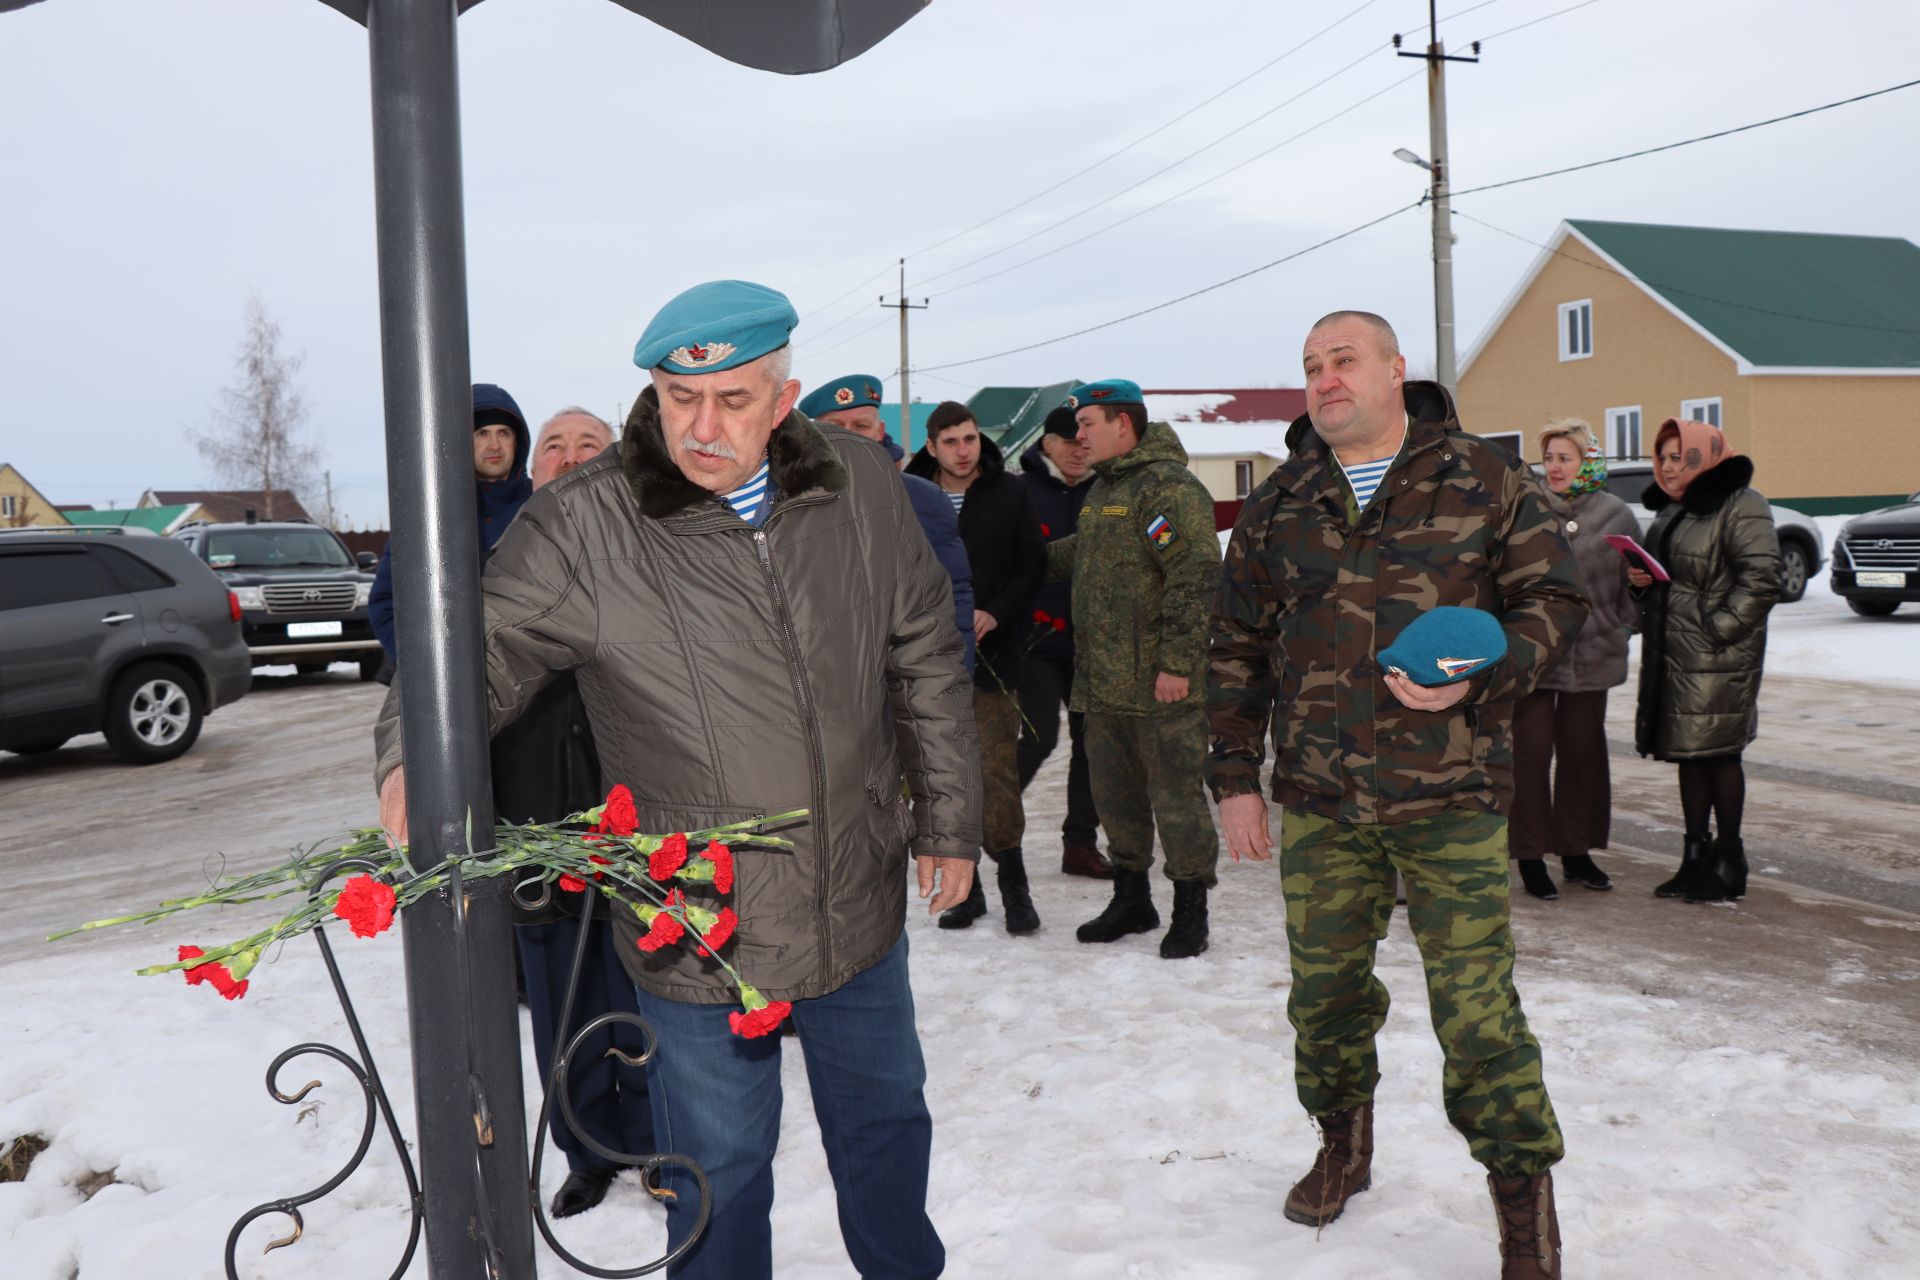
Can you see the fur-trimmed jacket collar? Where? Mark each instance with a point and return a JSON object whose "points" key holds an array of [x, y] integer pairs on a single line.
{"points": [[803, 462], [1709, 490]]}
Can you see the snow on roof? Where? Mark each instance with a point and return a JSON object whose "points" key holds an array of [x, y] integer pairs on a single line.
{"points": [[1209, 425]]}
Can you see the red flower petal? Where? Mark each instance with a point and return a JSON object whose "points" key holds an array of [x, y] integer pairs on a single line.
{"points": [[572, 883], [619, 818], [722, 859], [759, 1022], [663, 932], [366, 905], [668, 858]]}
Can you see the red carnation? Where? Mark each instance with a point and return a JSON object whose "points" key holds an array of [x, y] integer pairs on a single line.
{"points": [[723, 926], [1046, 530], [760, 1022], [572, 883], [669, 857], [1042, 617], [1059, 624], [722, 859], [213, 972], [366, 905], [663, 932], [619, 817]]}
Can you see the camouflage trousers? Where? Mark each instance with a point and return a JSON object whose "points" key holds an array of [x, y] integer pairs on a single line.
{"points": [[1338, 880], [1003, 817], [1149, 770]]}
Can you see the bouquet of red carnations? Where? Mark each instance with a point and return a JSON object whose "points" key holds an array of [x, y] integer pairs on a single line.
{"points": [[600, 848]]}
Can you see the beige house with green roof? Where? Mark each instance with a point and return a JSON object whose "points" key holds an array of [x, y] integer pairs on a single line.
{"points": [[22, 505], [1804, 348]]}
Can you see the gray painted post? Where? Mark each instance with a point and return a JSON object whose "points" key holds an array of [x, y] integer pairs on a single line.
{"points": [[457, 1044]]}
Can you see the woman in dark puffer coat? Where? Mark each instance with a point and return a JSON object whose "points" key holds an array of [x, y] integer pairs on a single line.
{"points": [[1705, 638]]}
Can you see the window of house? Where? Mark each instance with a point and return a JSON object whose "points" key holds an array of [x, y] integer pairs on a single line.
{"points": [[1707, 411], [1242, 479], [1623, 432], [9, 506], [1576, 329], [1513, 442]]}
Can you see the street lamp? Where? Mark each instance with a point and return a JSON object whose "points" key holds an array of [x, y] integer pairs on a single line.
{"points": [[1401, 153]]}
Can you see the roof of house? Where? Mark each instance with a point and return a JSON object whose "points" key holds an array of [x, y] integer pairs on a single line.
{"points": [[1774, 301], [1013, 416], [7, 468], [922, 410], [229, 504], [158, 519], [1246, 422]]}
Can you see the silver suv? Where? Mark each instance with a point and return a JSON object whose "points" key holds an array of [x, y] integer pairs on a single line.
{"points": [[114, 631]]}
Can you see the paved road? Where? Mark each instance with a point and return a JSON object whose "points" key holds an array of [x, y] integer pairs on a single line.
{"points": [[1834, 912]]}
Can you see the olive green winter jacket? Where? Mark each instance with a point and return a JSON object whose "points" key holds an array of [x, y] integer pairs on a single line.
{"points": [[1142, 562]]}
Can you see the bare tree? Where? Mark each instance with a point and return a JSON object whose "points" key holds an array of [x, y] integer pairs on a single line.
{"points": [[256, 436]]}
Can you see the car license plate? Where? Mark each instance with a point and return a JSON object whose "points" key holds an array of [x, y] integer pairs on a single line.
{"points": [[1880, 579], [310, 630]]}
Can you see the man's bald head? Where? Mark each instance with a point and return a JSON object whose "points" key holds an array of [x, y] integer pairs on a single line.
{"points": [[1389, 340]]}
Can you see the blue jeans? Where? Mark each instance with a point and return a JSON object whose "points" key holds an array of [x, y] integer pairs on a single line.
{"points": [[716, 1098]]}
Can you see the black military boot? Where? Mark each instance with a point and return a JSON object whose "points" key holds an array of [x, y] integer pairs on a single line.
{"points": [[1187, 935], [1538, 881], [1730, 861], [1015, 902], [1693, 856], [1130, 910], [966, 913]]}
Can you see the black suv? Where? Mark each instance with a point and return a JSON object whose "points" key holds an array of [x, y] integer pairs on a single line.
{"points": [[1876, 560], [114, 631], [303, 594]]}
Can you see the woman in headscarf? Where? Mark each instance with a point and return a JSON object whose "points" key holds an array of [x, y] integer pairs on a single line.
{"points": [[1563, 799], [1705, 636]]}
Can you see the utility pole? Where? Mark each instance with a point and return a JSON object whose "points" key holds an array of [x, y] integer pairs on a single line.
{"points": [[331, 522], [1437, 60], [906, 401]]}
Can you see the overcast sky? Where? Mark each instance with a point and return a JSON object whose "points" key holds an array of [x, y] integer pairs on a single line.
{"points": [[165, 158]]}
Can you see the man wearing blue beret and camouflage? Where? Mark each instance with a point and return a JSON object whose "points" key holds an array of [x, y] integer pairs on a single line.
{"points": [[1142, 562], [1390, 720], [758, 625], [853, 402]]}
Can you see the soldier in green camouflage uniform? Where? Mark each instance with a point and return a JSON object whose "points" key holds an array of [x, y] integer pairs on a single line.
{"points": [[1142, 564], [1331, 559]]}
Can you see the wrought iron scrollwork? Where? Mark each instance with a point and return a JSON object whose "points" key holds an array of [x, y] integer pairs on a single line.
{"points": [[373, 1093]]}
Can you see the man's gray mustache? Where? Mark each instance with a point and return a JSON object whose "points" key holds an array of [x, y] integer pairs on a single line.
{"points": [[718, 449]]}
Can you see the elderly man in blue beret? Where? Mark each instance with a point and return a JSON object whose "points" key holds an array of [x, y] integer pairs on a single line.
{"points": [[853, 402], [757, 626]]}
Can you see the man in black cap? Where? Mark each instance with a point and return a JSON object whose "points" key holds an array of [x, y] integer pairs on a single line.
{"points": [[1058, 471]]}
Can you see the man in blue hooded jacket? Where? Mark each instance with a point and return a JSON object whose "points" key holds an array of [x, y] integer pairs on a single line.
{"points": [[501, 486]]}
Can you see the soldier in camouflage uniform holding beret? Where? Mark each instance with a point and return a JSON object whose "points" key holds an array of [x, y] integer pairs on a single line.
{"points": [[1384, 510], [1143, 561]]}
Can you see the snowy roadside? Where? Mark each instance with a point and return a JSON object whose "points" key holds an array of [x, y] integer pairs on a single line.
{"points": [[1098, 1113]]}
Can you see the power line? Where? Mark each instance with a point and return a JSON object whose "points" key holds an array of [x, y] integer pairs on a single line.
{"points": [[1026, 262], [1134, 315], [1074, 177], [1691, 293], [1134, 186], [1685, 142], [1533, 21], [861, 333]]}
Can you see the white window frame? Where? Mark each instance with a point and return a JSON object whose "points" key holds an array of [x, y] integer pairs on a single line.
{"points": [[1707, 409], [1242, 478], [1614, 420], [9, 505], [1562, 341], [1513, 441]]}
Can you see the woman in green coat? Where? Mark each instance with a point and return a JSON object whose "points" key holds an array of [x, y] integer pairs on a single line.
{"points": [[1705, 635]]}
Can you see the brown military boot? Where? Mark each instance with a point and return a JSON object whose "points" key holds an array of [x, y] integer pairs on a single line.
{"points": [[1085, 860], [1529, 1227], [1342, 1170]]}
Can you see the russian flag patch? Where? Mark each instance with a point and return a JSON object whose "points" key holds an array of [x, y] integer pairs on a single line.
{"points": [[1160, 532]]}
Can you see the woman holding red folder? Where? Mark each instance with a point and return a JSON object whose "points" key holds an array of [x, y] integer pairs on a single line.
{"points": [[1705, 636], [1563, 789]]}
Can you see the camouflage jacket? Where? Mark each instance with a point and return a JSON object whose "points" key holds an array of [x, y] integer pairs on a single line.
{"points": [[1313, 589], [1142, 563]]}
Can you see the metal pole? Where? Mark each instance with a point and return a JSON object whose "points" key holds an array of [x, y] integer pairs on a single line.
{"points": [[906, 399], [1442, 214], [466, 1051]]}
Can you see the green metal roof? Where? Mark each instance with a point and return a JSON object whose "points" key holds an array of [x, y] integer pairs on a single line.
{"points": [[922, 410], [154, 518], [1781, 298], [1013, 416]]}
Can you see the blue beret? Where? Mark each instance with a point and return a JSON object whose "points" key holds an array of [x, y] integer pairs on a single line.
{"points": [[716, 326], [849, 392], [1106, 391], [1445, 644]]}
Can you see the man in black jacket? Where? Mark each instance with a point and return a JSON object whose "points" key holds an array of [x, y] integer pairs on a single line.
{"points": [[1058, 474], [1009, 558], [544, 768]]}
